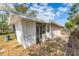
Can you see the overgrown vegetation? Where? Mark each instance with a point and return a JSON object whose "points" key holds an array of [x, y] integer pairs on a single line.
{"points": [[73, 17], [22, 8], [4, 28]]}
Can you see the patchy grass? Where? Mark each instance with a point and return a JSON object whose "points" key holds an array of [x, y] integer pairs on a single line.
{"points": [[12, 48], [3, 42]]}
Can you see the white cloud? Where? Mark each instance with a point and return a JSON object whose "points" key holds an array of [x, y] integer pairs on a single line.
{"points": [[50, 9], [44, 12], [35, 5], [63, 9], [58, 13], [68, 4], [44, 4]]}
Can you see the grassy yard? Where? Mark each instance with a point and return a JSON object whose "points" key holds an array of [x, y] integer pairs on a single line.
{"points": [[6, 45], [3, 42], [12, 48]]}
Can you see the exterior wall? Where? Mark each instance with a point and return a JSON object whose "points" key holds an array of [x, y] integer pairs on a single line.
{"points": [[26, 31], [47, 35], [56, 29], [19, 33], [29, 33], [44, 38], [13, 19]]}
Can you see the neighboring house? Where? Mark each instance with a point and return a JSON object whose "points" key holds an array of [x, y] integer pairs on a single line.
{"points": [[30, 31]]}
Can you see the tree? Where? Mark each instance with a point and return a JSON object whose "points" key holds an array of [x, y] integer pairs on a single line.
{"points": [[5, 7], [3, 23], [70, 25], [22, 8], [73, 17], [32, 13], [74, 9]]}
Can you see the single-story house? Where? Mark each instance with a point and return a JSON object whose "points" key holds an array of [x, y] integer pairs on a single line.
{"points": [[30, 31]]}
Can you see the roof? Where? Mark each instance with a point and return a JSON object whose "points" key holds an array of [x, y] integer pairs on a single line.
{"points": [[30, 18], [53, 22], [34, 19]]}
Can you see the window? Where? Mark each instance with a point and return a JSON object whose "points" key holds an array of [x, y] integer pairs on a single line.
{"points": [[48, 28], [43, 29]]}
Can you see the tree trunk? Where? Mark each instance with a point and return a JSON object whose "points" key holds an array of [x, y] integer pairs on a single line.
{"points": [[72, 48]]}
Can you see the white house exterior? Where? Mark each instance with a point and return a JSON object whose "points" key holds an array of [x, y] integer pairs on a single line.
{"points": [[56, 29], [30, 31]]}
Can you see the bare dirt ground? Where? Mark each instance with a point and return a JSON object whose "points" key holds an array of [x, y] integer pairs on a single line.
{"points": [[49, 48]]}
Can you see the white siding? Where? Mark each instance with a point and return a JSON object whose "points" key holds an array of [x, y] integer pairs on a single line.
{"points": [[47, 35], [57, 32], [12, 19], [19, 33], [29, 32]]}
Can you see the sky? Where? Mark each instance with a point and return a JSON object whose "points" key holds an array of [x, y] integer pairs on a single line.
{"points": [[54, 11]]}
